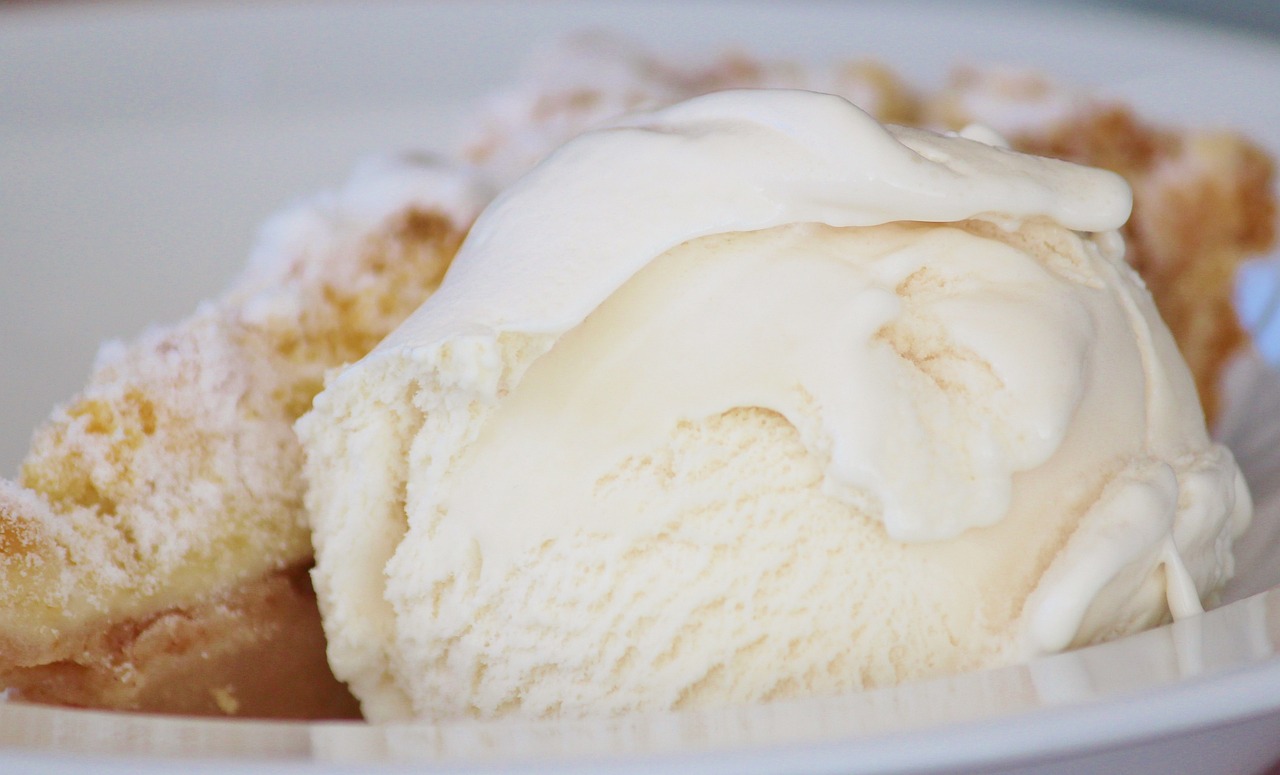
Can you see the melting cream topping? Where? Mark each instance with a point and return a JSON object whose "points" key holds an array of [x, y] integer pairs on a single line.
{"points": [[949, 326], [553, 246], [926, 366]]}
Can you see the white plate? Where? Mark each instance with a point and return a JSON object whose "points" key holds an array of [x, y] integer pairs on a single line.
{"points": [[141, 144]]}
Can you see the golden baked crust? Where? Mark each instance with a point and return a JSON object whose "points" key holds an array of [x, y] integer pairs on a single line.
{"points": [[166, 494], [255, 650]]}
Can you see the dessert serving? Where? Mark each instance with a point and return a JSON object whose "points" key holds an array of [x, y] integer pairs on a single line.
{"points": [[751, 398], [154, 548]]}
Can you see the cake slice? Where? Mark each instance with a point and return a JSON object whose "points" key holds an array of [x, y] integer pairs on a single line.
{"points": [[154, 550]]}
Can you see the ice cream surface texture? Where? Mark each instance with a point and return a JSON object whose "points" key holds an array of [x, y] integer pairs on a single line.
{"points": [[751, 398]]}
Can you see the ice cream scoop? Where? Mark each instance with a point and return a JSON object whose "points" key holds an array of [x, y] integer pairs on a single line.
{"points": [[750, 398]]}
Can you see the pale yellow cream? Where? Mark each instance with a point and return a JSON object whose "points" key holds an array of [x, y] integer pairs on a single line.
{"points": [[753, 397]]}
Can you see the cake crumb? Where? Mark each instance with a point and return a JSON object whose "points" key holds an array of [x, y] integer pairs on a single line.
{"points": [[226, 700]]}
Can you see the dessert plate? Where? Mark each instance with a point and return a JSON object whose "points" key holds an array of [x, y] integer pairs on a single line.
{"points": [[141, 143]]}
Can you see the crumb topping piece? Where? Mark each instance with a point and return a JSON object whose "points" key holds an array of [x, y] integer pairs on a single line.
{"points": [[173, 477]]}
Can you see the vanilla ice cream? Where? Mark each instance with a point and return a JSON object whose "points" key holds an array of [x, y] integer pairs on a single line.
{"points": [[750, 398]]}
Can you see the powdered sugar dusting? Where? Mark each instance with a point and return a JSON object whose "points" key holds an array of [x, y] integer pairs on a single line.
{"points": [[174, 474]]}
